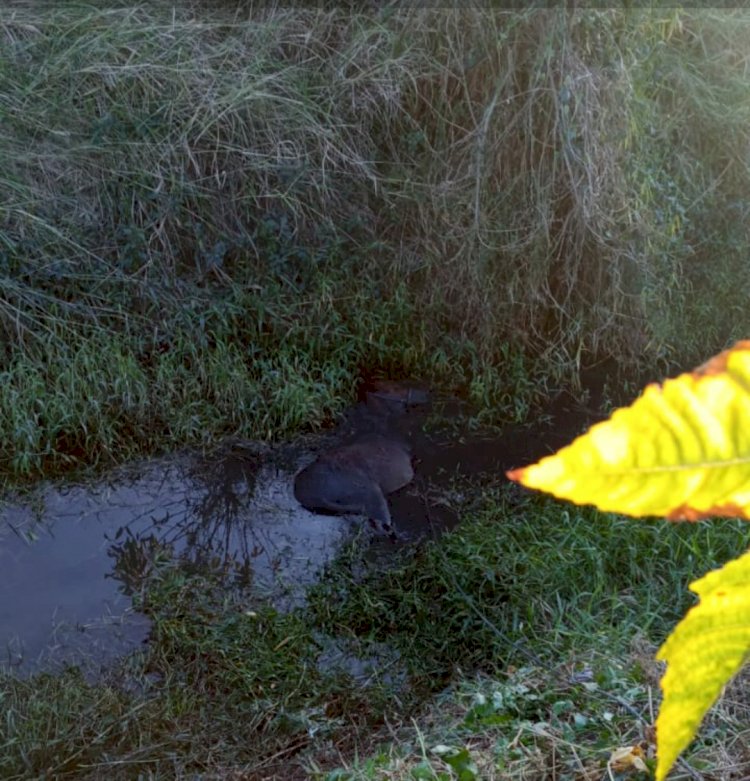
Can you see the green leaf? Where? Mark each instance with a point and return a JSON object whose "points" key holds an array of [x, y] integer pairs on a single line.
{"points": [[681, 450], [459, 760]]}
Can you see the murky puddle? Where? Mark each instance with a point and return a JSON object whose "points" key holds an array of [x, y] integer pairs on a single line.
{"points": [[72, 556], [71, 559]]}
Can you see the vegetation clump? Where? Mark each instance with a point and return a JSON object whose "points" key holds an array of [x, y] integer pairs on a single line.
{"points": [[241, 210]]}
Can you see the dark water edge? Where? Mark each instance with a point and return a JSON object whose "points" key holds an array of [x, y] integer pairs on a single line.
{"points": [[73, 556]]}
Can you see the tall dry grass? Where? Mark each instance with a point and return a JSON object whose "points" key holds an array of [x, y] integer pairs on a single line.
{"points": [[572, 184], [565, 178], [511, 162]]}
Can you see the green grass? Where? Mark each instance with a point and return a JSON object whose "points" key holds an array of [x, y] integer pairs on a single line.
{"points": [[243, 214], [525, 634], [561, 609], [529, 723], [526, 580], [214, 225], [255, 364]]}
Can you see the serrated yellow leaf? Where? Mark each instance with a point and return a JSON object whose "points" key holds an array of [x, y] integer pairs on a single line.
{"points": [[681, 450], [706, 649]]}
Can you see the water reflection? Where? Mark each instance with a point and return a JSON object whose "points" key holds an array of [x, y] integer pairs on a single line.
{"points": [[73, 557]]}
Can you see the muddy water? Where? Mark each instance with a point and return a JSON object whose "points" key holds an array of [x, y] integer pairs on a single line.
{"points": [[72, 557]]}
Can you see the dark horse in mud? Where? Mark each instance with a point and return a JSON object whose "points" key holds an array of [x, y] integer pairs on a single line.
{"points": [[355, 478]]}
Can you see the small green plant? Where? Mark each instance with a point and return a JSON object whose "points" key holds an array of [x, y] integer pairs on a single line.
{"points": [[459, 760]]}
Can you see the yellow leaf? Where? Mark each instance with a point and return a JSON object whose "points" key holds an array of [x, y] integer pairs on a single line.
{"points": [[681, 450], [705, 650]]}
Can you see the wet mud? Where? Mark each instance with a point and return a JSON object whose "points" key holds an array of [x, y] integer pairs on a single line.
{"points": [[72, 557]]}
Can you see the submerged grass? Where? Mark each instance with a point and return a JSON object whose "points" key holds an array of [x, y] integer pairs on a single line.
{"points": [[222, 690]]}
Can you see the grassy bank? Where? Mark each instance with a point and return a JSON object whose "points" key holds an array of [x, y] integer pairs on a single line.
{"points": [[524, 636], [214, 222]]}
